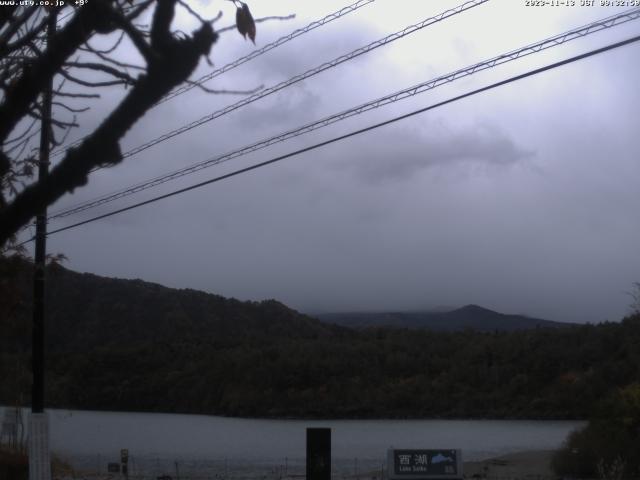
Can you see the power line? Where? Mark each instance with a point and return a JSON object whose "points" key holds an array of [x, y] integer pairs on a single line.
{"points": [[388, 99], [309, 73], [354, 133], [256, 53]]}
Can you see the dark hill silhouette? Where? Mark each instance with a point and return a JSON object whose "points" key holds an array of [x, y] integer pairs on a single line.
{"points": [[86, 311], [471, 317], [137, 346]]}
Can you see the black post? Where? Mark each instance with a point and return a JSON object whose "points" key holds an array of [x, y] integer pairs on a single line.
{"points": [[318, 454], [37, 352]]}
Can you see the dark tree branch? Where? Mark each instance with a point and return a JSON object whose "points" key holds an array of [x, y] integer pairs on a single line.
{"points": [[161, 25], [6, 14], [59, 93], [18, 150], [14, 26], [77, 95], [35, 51], [57, 143], [91, 84], [137, 10], [123, 76], [6, 48], [223, 91], [66, 41], [70, 109], [109, 50], [54, 121], [172, 63], [117, 63], [136, 37], [23, 134], [186, 6]]}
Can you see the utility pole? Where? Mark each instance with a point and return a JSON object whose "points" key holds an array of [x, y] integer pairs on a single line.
{"points": [[39, 455], [318, 454]]}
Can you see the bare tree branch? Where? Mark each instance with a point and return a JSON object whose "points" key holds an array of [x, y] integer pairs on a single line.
{"points": [[25, 40], [125, 77], [115, 62], [223, 91], [18, 150], [109, 50], [54, 121], [137, 10], [172, 62], [24, 92], [59, 93], [186, 6], [6, 14], [70, 109], [136, 37], [56, 142], [14, 26], [28, 63], [161, 25], [23, 134], [91, 84], [77, 95]]}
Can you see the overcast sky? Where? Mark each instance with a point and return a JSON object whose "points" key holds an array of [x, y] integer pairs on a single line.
{"points": [[523, 199]]}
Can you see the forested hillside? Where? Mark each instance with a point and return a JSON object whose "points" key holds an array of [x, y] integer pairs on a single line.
{"points": [[131, 345], [468, 317]]}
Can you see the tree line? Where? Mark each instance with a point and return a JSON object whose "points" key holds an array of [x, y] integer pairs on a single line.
{"points": [[136, 346]]}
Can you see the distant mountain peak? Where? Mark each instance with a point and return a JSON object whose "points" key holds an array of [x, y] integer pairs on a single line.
{"points": [[471, 316], [473, 308]]}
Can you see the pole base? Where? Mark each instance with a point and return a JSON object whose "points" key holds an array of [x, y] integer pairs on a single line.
{"points": [[39, 455]]}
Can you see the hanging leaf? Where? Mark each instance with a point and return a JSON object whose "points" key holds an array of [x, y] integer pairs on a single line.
{"points": [[244, 22]]}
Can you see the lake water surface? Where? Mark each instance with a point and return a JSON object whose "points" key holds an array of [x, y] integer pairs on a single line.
{"points": [[206, 443]]}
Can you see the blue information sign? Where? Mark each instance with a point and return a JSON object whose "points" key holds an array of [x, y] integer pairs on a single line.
{"points": [[418, 464]]}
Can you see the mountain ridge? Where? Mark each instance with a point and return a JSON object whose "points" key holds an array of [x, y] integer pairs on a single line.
{"points": [[471, 316], [130, 345]]}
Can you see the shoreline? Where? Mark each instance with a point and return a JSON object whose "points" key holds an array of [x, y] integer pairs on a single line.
{"points": [[532, 463], [312, 418]]}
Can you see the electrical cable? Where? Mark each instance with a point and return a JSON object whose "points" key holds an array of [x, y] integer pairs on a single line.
{"points": [[556, 40], [303, 76], [353, 133], [256, 53]]}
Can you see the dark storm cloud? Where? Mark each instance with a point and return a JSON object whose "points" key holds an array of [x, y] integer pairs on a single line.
{"points": [[521, 200], [398, 153], [297, 105], [331, 42]]}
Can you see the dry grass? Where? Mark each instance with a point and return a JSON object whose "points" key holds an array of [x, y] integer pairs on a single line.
{"points": [[14, 464]]}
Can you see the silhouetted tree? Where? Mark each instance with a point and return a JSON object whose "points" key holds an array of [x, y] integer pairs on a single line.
{"points": [[635, 296], [607, 447], [28, 63]]}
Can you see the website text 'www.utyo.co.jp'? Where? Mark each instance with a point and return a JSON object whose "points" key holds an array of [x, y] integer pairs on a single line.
{"points": [[39, 3]]}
